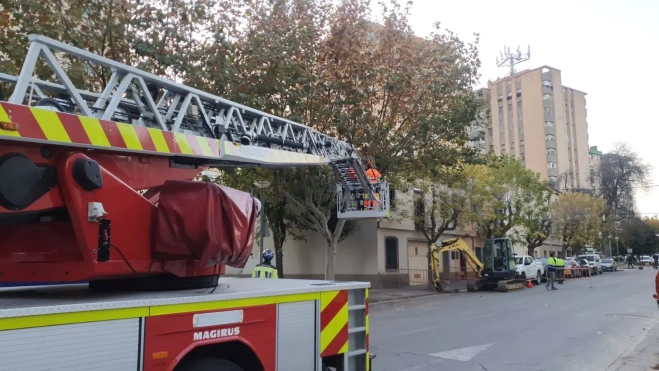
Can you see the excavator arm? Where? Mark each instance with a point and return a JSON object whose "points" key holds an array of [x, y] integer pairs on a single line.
{"points": [[453, 244]]}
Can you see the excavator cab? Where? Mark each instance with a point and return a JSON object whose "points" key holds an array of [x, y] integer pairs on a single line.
{"points": [[498, 259], [499, 271]]}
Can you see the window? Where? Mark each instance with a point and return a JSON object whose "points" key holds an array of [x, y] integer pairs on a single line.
{"points": [[521, 149], [549, 123], [551, 151], [551, 165], [500, 96], [455, 255], [546, 83], [546, 97], [548, 110], [391, 253], [549, 137], [510, 107]]}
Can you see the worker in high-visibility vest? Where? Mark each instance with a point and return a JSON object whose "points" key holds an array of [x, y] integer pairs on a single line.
{"points": [[552, 263], [560, 270], [266, 269], [374, 177]]}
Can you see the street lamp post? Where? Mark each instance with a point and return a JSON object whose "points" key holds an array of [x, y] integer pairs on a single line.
{"points": [[262, 184], [610, 245]]}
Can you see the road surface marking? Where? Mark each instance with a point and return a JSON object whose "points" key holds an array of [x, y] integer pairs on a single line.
{"points": [[419, 330], [462, 354]]}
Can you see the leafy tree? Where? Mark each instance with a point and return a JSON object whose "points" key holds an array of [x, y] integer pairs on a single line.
{"points": [[310, 195], [576, 219], [640, 236], [400, 117], [513, 195], [98, 26], [619, 173], [536, 224]]}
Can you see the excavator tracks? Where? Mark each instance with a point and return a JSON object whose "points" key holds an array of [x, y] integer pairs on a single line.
{"points": [[505, 286]]}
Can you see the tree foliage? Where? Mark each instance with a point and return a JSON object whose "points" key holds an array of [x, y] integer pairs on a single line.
{"points": [[512, 198], [640, 236], [620, 172], [576, 219]]}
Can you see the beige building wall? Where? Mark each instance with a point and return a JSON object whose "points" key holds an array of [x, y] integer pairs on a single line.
{"points": [[538, 121]]}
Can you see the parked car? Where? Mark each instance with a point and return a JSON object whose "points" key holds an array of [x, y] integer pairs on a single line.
{"points": [[609, 264], [594, 262], [528, 268], [646, 260]]}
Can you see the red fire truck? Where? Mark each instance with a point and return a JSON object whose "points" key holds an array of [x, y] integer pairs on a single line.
{"points": [[97, 186]]}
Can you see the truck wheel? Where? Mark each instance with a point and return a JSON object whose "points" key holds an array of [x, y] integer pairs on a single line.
{"points": [[538, 278], [208, 364]]}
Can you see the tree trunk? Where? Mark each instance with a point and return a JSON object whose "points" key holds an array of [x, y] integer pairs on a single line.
{"points": [[330, 263], [429, 266], [279, 258]]}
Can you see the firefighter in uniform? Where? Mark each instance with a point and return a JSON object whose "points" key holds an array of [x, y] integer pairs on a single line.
{"points": [[266, 269]]}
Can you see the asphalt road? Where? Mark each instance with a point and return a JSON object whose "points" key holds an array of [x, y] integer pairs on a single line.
{"points": [[574, 328]]}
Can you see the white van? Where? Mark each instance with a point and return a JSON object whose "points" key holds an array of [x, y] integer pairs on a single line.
{"points": [[594, 261]]}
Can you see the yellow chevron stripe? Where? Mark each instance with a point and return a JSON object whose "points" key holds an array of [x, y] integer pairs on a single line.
{"points": [[158, 139], [368, 362], [368, 327], [4, 117], [183, 143], [94, 131], [326, 298], [333, 328], [205, 146], [130, 136], [50, 124]]}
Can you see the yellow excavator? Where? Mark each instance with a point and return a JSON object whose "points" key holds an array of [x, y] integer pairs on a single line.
{"points": [[453, 244], [498, 271]]}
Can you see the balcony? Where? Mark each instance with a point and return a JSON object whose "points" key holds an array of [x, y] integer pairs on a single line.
{"points": [[551, 157], [550, 130], [550, 144], [552, 172]]}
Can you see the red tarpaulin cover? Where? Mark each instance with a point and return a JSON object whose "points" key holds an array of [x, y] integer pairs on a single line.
{"points": [[206, 222]]}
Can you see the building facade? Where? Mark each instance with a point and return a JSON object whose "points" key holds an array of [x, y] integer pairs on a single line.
{"points": [[542, 123]]}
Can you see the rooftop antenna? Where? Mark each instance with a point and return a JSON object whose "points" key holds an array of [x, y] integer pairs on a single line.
{"points": [[509, 59]]}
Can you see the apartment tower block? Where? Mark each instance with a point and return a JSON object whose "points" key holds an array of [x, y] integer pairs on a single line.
{"points": [[535, 119]]}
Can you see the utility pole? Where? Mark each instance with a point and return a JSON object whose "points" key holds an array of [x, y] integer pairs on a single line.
{"points": [[508, 59], [610, 245]]}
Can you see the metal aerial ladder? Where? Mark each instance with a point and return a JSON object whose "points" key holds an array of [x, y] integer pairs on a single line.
{"points": [[246, 137], [140, 131]]}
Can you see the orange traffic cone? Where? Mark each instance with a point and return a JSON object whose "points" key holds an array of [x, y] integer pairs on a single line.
{"points": [[529, 284]]}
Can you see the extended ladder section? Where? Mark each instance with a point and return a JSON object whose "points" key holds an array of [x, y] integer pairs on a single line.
{"points": [[233, 135]]}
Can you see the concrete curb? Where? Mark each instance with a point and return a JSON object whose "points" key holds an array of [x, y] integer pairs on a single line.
{"points": [[409, 297]]}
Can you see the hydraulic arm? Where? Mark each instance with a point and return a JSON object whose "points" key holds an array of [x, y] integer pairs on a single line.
{"points": [[88, 180]]}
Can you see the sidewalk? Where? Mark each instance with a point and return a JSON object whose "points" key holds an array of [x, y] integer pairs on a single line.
{"points": [[643, 357], [410, 292]]}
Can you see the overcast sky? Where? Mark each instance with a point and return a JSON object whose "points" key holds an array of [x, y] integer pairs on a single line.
{"points": [[607, 48]]}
